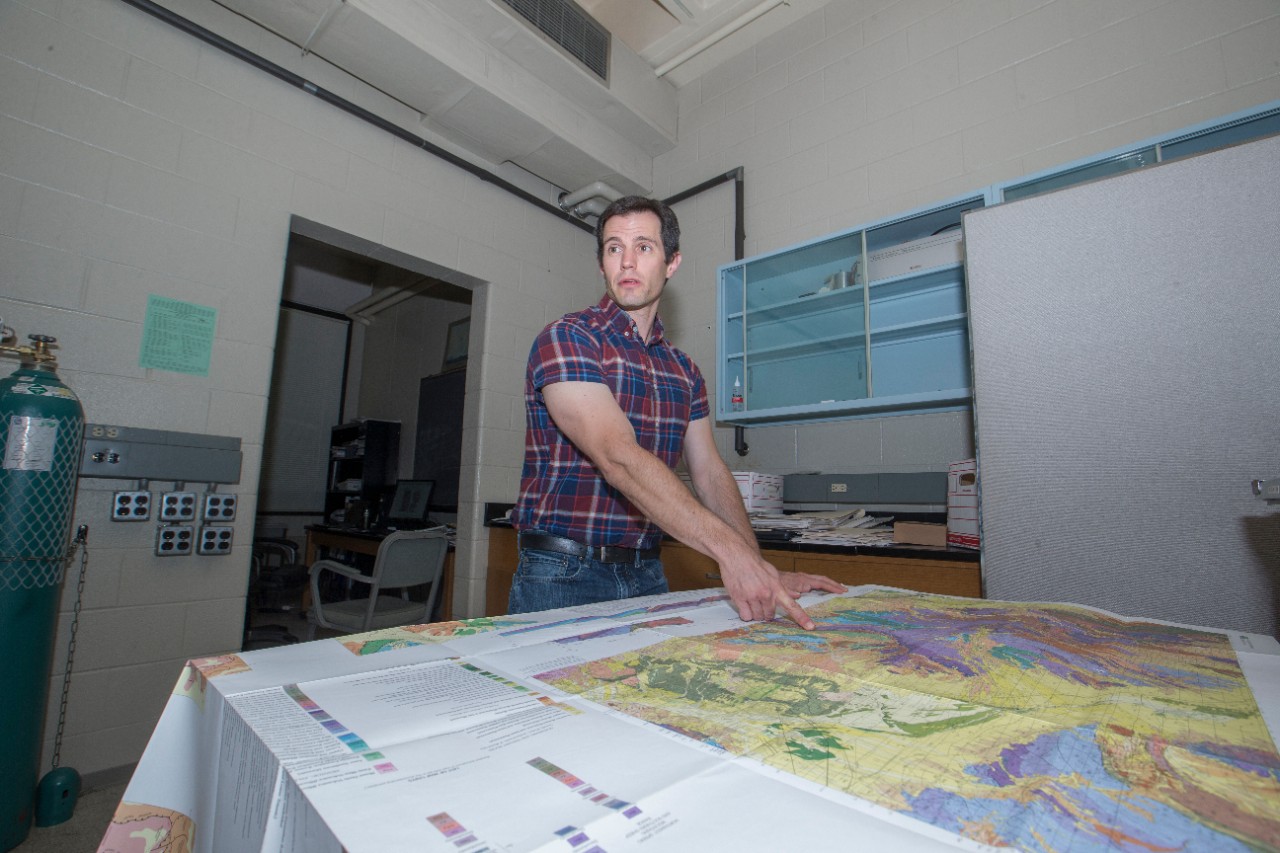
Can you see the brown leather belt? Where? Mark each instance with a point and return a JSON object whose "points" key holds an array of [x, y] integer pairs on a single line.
{"points": [[601, 553]]}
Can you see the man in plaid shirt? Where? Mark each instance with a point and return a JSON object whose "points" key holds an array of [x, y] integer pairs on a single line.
{"points": [[611, 407]]}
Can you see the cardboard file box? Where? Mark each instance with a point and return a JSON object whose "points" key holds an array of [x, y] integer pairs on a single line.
{"points": [[760, 492], [919, 533], [962, 504]]}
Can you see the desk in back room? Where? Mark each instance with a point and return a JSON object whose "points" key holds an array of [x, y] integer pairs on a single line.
{"points": [[320, 538]]}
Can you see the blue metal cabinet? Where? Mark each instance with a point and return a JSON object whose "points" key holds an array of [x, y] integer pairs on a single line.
{"points": [[867, 321], [873, 321], [1197, 139]]}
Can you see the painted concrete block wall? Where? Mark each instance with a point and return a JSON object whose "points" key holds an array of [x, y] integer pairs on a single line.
{"points": [[134, 160], [865, 109]]}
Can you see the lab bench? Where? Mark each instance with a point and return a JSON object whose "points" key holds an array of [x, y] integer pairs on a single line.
{"points": [[947, 571]]}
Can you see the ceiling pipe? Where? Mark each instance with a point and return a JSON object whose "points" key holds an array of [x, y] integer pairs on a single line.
{"points": [[739, 249], [364, 311], [590, 195], [599, 188], [719, 35], [591, 207]]}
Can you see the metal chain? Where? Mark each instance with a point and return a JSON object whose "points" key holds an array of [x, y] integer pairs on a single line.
{"points": [[82, 541]]}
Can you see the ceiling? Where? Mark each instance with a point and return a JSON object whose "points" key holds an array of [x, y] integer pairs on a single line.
{"points": [[660, 30], [490, 85]]}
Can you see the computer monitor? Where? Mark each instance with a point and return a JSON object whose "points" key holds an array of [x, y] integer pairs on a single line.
{"points": [[409, 502]]}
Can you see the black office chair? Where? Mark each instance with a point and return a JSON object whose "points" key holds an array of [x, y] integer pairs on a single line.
{"points": [[276, 582]]}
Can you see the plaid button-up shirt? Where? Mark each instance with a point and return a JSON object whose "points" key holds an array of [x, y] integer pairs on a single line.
{"points": [[657, 386]]}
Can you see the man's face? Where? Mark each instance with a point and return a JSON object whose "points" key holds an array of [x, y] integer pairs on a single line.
{"points": [[632, 262]]}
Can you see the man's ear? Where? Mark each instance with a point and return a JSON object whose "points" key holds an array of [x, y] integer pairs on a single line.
{"points": [[673, 264]]}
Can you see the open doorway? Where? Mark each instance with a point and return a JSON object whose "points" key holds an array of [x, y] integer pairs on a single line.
{"points": [[362, 329]]}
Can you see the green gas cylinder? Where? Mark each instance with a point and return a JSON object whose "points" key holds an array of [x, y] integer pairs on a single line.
{"points": [[41, 429]]}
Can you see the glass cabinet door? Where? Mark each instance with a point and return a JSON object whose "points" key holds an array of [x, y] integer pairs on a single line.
{"points": [[794, 328], [1091, 171], [810, 351], [918, 316]]}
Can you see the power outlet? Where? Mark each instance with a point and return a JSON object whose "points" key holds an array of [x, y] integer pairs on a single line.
{"points": [[178, 506], [839, 488], [215, 540], [219, 507], [131, 506], [174, 540]]}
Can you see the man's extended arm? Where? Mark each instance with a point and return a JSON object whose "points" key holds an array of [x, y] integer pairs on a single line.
{"points": [[588, 415], [719, 492]]}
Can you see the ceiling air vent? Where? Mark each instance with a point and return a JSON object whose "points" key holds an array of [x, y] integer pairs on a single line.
{"points": [[571, 28]]}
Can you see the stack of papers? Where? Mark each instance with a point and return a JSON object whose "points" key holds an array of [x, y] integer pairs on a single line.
{"points": [[831, 527], [875, 536], [825, 520], [860, 530]]}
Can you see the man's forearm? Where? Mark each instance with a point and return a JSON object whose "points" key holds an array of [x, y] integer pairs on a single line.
{"points": [[707, 523], [721, 496], [589, 416]]}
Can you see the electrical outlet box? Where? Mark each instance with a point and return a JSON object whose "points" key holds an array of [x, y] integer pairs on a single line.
{"points": [[174, 540], [215, 539], [177, 506], [219, 507], [131, 506]]}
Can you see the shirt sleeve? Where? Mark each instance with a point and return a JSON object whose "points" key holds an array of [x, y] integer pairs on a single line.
{"points": [[565, 352], [699, 406]]}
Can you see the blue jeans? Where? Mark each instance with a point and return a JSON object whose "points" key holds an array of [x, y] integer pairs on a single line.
{"points": [[545, 580]]}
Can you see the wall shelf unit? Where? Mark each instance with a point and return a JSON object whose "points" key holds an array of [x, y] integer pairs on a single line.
{"points": [[867, 321], [873, 321], [364, 458]]}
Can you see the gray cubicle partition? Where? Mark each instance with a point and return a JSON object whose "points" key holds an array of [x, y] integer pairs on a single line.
{"points": [[1126, 359]]}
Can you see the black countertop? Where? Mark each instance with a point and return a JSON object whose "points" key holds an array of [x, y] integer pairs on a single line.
{"points": [[495, 516]]}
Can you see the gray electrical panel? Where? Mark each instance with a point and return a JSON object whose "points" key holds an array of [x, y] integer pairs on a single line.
{"points": [[133, 453]]}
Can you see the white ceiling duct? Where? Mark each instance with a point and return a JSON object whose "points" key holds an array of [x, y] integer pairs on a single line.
{"points": [[481, 78], [590, 200]]}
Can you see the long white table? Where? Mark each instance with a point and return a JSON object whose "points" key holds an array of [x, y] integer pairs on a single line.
{"points": [[905, 721]]}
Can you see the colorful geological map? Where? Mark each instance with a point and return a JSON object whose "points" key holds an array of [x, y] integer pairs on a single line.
{"points": [[405, 636], [1039, 727], [138, 828]]}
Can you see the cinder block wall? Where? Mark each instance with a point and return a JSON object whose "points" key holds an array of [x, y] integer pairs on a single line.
{"points": [[134, 160], [862, 110]]}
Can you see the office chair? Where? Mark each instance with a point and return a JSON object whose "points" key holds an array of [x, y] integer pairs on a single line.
{"points": [[276, 582], [405, 559]]}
